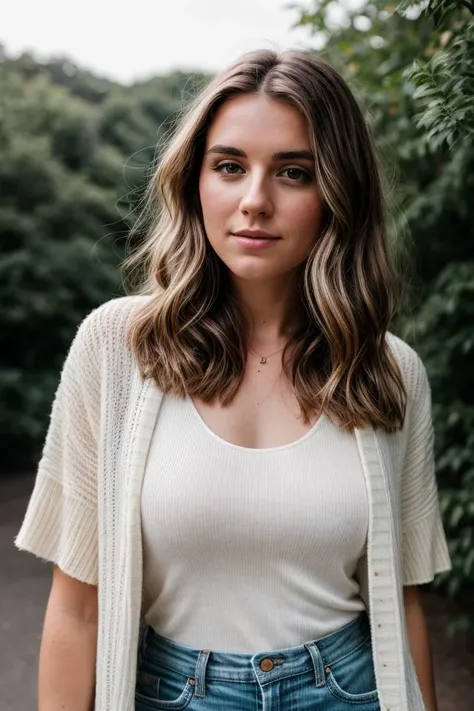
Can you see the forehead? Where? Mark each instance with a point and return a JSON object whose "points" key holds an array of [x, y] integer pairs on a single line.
{"points": [[257, 120]]}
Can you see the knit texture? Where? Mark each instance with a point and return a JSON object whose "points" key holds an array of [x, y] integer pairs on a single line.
{"points": [[84, 513]]}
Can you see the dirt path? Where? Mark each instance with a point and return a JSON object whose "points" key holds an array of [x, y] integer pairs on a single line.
{"points": [[453, 658], [24, 584]]}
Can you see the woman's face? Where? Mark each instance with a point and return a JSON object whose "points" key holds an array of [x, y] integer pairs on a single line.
{"points": [[257, 176]]}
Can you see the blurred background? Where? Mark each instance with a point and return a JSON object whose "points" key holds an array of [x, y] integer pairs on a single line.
{"points": [[87, 92]]}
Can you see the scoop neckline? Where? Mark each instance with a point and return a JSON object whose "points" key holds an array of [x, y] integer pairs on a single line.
{"points": [[257, 450]]}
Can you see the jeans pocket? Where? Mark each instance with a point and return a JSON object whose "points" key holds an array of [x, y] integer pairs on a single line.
{"points": [[352, 678], [163, 689]]}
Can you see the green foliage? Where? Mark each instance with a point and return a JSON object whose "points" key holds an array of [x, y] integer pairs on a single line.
{"points": [[444, 336], [445, 77], [413, 73], [75, 155]]}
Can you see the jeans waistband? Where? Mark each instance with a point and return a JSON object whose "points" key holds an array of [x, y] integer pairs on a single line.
{"points": [[264, 667]]}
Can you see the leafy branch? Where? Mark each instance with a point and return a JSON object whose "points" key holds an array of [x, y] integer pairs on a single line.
{"points": [[444, 83]]}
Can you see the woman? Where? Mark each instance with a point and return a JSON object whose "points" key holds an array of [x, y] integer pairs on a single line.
{"points": [[242, 457]]}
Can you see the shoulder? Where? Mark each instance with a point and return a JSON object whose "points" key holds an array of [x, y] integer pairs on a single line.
{"points": [[114, 314], [107, 325], [411, 366], [100, 344]]}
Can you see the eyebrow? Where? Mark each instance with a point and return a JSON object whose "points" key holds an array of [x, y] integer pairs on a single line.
{"points": [[282, 155]]}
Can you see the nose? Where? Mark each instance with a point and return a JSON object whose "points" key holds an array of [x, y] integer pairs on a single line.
{"points": [[256, 199]]}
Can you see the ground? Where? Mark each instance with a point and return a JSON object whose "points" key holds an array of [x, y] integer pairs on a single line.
{"points": [[24, 584]]}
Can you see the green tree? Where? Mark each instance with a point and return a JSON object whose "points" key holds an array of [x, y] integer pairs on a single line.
{"points": [[444, 79], [412, 71], [75, 154]]}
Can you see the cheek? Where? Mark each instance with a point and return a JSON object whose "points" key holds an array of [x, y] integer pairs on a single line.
{"points": [[215, 203], [305, 215]]}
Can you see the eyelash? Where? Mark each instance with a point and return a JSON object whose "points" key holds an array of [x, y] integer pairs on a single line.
{"points": [[305, 177]]}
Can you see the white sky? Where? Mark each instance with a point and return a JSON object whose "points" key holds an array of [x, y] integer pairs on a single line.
{"points": [[140, 38]]}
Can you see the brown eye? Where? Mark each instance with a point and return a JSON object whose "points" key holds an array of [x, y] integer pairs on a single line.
{"points": [[297, 175], [227, 168]]}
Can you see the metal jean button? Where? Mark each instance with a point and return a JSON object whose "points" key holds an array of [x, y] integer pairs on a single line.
{"points": [[266, 664]]}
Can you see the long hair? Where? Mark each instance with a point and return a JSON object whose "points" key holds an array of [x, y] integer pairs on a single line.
{"points": [[190, 336]]}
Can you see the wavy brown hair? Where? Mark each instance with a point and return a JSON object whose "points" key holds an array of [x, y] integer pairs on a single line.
{"points": [[190, 336]]}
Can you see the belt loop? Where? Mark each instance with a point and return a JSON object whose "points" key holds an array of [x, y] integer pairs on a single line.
{"points": [[317, 663], [200, 674]]}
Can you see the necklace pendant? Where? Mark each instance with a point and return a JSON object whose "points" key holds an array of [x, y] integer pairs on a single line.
{"points": [[263, 360]]}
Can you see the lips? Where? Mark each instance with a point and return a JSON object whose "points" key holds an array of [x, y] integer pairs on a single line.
{"points": [[254, 240], [255, 234]]}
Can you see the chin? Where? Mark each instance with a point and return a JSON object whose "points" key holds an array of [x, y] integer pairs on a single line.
{"points": [[254, 269]]}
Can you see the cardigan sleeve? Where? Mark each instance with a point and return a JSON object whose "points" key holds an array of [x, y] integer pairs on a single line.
{"points": [[425, 551], [60, 524]]}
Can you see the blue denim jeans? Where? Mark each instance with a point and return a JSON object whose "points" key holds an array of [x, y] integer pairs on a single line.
{"points": [[328, 674]]}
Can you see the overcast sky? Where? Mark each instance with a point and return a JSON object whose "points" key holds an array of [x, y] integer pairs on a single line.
{"points": [[144, 37]]}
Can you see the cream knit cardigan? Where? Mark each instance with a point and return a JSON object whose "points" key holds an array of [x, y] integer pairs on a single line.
{"points": [[84, 513]]}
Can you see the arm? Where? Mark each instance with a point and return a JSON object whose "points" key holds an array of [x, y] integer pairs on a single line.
{"points": [[68, 646], [418, 639]]}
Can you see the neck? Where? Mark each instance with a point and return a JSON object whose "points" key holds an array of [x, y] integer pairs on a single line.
{"points": [[271, 309]]}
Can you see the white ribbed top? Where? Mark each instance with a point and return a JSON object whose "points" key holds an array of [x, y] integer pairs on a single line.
{"points": [[236, 538]]}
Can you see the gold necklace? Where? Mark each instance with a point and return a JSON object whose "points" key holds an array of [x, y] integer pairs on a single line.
{"points": [[263, 359]]}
